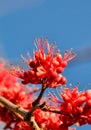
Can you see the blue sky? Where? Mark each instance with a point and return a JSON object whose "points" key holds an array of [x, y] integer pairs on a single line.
{"points": [[68, 22]]}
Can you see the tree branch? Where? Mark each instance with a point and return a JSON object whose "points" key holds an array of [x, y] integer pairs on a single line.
{"points": [[36, 102], [19, 112]]}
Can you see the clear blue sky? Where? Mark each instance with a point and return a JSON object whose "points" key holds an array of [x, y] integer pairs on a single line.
{"points": [[68, 22]]}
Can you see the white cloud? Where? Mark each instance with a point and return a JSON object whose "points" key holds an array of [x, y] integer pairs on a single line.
{"points": [[10, 6]]}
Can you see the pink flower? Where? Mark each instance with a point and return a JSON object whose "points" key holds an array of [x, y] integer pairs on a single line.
{"points": [[46, 66]]}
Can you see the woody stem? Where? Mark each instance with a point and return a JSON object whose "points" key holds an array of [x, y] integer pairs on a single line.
{"points": [[36, 102], [19, 112]]}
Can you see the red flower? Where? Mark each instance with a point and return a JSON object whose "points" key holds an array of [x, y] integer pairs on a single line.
{"points": [[14, 92], [46, 66], [21, 125], [49, 121], [75, 107]]}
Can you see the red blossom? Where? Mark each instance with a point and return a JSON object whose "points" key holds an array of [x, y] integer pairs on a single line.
{"points": [[21, 125], [14, 92], [46, 66], [49, 121], [75, 107]]}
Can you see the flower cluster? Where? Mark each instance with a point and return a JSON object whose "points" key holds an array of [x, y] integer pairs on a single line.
{"points": [[49, 120], [22, 125], [75, 107], [46, 66], [14, 92]]}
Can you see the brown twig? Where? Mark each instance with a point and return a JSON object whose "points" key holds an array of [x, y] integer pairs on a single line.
{"points": [[36, 102], [19, 112], [22, 113], [45, 108]]}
